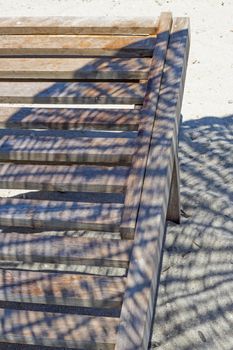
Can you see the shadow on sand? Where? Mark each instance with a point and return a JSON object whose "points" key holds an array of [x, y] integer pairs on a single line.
{"points": [[195, 303]]}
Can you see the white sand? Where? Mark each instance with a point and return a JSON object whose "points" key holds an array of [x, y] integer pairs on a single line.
{"points": [[195, 304]]}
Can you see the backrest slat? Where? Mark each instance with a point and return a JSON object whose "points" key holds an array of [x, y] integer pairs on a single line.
{"points": [[75, 25], [77, 45]]}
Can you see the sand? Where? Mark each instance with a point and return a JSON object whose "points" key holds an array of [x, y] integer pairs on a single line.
{"points": [[195, 303]]}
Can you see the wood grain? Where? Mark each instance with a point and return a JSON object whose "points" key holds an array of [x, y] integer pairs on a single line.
{"points": [[35, 147], [61, 289], [47, 45], [72, 93], [46, 248], [143, 274], [76, 25], [87, 155], [147, 117], [69, 118], [60, 215], [74, 68], [57, 329], [79, 178]]}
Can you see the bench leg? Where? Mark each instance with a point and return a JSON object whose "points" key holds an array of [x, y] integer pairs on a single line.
{"points": [[173, 211]]}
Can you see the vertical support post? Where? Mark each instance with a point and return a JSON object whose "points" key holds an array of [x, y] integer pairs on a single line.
{"points": [[173, 211]]}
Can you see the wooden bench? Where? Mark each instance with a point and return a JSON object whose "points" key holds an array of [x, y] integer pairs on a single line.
{"points": [[80, 258]]}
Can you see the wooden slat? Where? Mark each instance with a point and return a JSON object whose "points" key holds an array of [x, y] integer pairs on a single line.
{"points": [[80, 178], [72, 93], [57, 330], [44, 248], [38, 148], [136, 176], [69, 118], [60, 215], [75, 25], [74, 68], [118, 46], [61, 289], [143, 273]]}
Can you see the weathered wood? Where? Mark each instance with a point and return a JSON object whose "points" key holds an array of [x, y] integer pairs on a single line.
{"points": [[72, 93], [118, 46], [46, 248], [143, 273], [74, 68], [61, 289], [43, 61], [60, 215], [69, 118], [173, 210], [80, 178], [57, 329], [39, 148], [75, 25], [136, 176]]}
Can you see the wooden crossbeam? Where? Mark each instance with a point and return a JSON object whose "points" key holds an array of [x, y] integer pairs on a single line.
{"points": [[61, 289], [72, 93], [76, 25], [60, 215], [48, 45], [57, 329], [74, 68], [46, 248], [49, 149], [69, 118], [63, 178]]}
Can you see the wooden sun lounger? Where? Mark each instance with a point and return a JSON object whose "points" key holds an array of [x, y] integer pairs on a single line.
{"points": [[119, 163]]}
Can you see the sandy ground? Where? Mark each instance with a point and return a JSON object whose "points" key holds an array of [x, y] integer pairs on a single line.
{"points": [[195, 304]]}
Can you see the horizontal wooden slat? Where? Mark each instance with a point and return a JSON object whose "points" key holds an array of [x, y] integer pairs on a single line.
{"points": [[74, 68], [63, 178], [61, 289], [75, 25], [41, 247], [60, 215], [72, 93], [38, 148], [118, 46], [57, 329], [69, 118]]}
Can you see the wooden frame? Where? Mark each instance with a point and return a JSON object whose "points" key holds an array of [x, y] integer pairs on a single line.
{"points": [[120, 165], [142, 278]]}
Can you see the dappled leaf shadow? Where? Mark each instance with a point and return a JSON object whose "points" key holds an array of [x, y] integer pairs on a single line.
{"points": [[194, 309], [76, 256]]}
